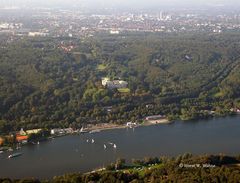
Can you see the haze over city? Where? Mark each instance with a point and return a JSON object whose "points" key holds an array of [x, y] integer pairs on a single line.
{"points": [[132, 4]]}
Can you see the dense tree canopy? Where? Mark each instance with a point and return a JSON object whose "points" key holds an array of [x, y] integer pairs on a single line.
{"points": [[181, 76]]}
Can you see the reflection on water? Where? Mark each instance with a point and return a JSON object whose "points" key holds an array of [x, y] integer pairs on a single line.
{"points": [[81, 153]]}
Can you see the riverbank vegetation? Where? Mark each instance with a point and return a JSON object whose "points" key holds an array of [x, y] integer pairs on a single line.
{"points": [[184, 168], [181, 76]]}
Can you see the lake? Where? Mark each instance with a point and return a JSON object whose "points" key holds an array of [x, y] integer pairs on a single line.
{"points": [[74, 154]]}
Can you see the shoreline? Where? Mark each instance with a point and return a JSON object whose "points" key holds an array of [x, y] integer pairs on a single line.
{"points": [[114, 126]]}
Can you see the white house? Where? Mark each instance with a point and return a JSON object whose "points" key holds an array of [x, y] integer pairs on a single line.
{"points": [[114, 84], [130, 124], [105, 81]]}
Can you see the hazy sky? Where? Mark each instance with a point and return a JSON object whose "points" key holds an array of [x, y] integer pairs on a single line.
{"points": [[120, 3]]}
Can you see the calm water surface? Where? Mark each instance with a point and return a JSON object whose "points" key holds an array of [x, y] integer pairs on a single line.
{"points": [[75, 154]]}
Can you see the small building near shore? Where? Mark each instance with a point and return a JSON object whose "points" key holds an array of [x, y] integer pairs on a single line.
{"points": [[236, 110], [60, 131], [68, 130], [22, 138], [155, 119], [1, 141], [130, 124], [33, 131], [57, 131]]}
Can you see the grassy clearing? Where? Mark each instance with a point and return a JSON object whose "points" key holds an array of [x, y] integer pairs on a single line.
{"points": [[219, 94], [101, 67], [124, 90], [141, 170]]}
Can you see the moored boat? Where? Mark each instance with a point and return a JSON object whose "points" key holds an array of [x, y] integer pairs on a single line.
{"points": [[14, 155]]}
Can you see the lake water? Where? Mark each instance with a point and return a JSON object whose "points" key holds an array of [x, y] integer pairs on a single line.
{"points": [[75, 154]]}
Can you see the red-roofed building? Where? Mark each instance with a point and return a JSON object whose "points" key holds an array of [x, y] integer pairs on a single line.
{"points": [[21, 138], [1, 141]]}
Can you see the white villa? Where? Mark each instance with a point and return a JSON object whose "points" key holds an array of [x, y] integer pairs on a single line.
{"points": [[114, 84]]}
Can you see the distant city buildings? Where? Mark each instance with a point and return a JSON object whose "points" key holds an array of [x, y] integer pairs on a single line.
{"points": [[35, 34], [114, 32], [72, 24]]}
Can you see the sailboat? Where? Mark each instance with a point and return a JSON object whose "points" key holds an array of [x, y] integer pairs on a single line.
{"points": [[115, 146], [18, 147], [82, 130], [87, 140], [92, 140], [104, 146]]}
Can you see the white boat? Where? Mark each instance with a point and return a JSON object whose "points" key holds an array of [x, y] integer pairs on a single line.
{"points": [[110, 143], [115, 146], [14, 155], [1, 152], [104, 146], [38, 142], [87, 140], [92, 140]]}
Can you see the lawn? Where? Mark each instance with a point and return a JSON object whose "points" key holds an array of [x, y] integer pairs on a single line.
{"points": [[101, 67], [124, 90]]}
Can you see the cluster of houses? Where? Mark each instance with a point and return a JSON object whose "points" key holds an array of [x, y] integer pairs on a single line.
{"points": [[22, 136], [112, 84]]}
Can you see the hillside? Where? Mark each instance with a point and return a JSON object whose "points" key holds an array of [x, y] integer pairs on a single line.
{"points": [[57, 82]]}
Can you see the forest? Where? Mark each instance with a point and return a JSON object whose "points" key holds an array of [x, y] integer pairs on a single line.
{"points": [[56, 82], [212, 168]]}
